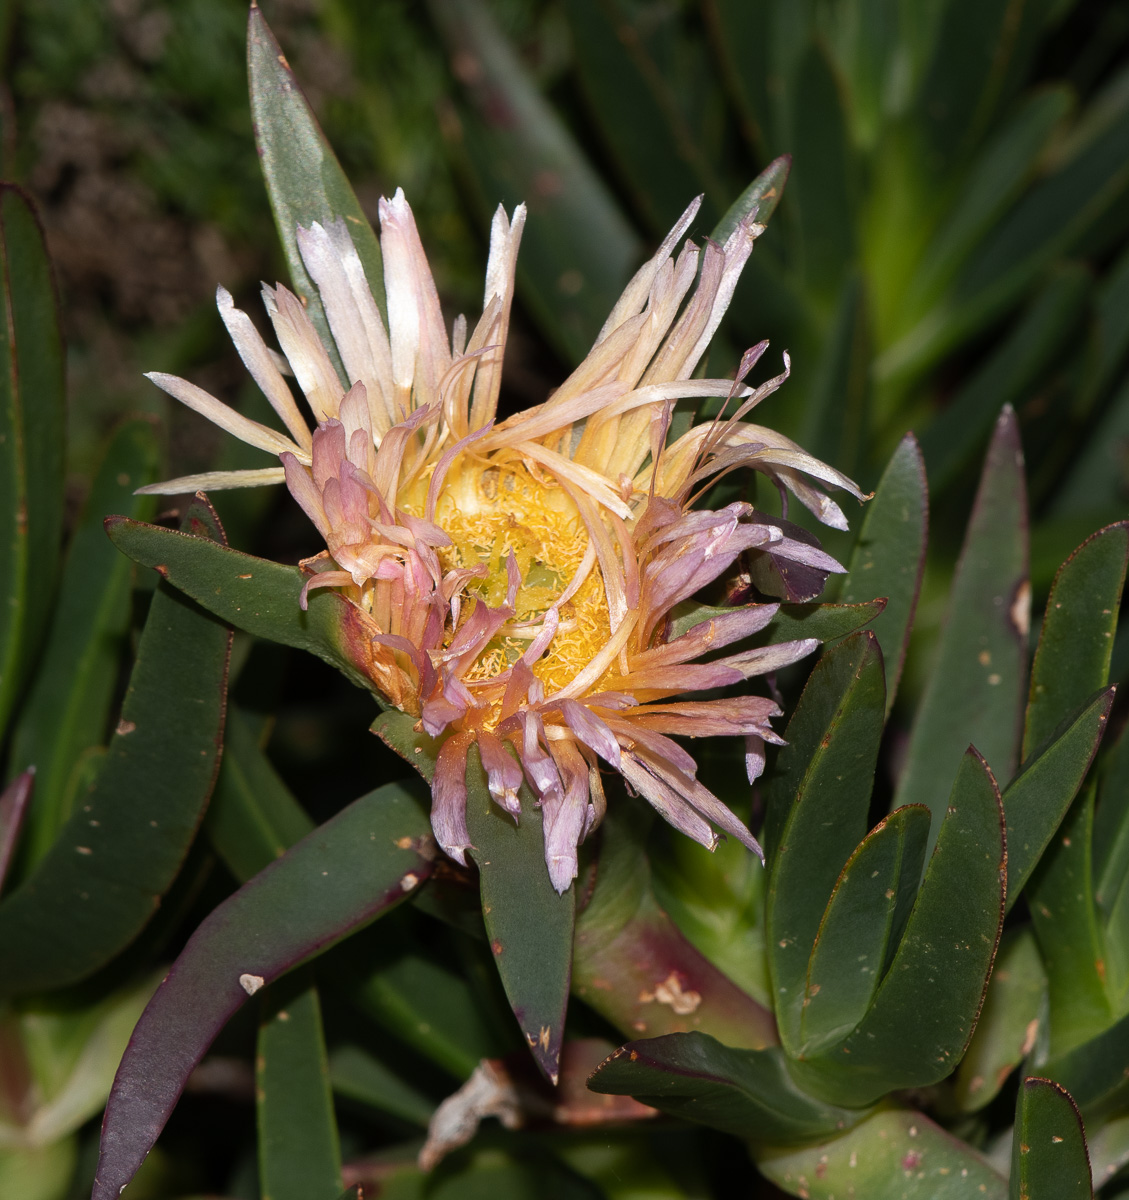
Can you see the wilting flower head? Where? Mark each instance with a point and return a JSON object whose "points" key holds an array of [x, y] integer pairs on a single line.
{"points": [[516, 579]]}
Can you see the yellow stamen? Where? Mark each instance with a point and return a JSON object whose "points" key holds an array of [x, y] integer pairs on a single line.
{"points": [[490, 512]]}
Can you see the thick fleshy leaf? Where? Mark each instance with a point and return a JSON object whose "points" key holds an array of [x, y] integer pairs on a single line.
{"points": [[748, 1093], [837, 406], [1111, 826], [976, 692], [1038, 340], [120, 850], [253, 594], [978, 56], [304, 180], [642, 112], [862, 926], [67, 709], [31, 441], [1108, 1144], [1048, 1151], [817, 800], [253, 817], [927, 1005], [633, 965], [994, 180], [1059, 210], [1076, 641], [346, 873], [1009, 1021], [299, 1152], [428, 995], [71, 1056], [1117, 948], [1038, 797], [761, 196], [821, 183], [1061, 898], [529, 925], [889, 556], [1094, 1072], [359, 1076], [792, 622], [578, 249], [892, 1155]]}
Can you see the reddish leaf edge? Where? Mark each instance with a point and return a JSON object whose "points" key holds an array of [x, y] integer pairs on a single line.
{"points": [[188, 1010]]}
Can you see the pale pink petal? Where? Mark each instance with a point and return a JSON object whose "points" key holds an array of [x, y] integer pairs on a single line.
{"points": [[213, 481], [257, 359], [303, 349], [636, 293], [354, 318], [304, 490], [418, 337], [251, 432]]}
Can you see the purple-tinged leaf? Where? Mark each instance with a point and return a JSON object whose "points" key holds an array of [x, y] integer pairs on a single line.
{"points": [[346, 873], [14, 802]]}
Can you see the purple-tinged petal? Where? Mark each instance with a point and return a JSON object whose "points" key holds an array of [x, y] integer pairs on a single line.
{"points": [[513, 580], [712, 634], [448, 798], [444, 465], [633, 735], [565, 817], [503, 774], [591, 730], [729, 717], [539, 765], [686, 677], [703, 800], [667, 803], [771, 658]]}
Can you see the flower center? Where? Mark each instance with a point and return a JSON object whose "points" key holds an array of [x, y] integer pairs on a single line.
{"points": [[491, 511]]}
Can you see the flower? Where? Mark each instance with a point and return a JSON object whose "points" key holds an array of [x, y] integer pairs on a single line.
{"points": [[517, 578]]}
